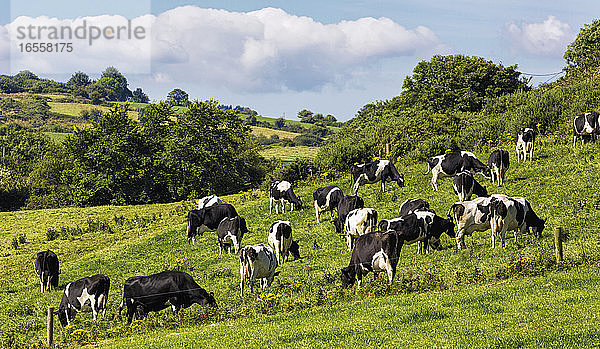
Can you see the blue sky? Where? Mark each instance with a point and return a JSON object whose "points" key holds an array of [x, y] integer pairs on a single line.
{"points": [[331, 57]]}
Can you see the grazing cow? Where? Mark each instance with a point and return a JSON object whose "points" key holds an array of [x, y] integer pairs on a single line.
{"points": [[515, 214], [412, 205], [359, 222], [465, 185], [207, 219], [208, 201], [257, 262], [375, 252], [327, 199], [379, 170], [423, 227], [347, 204], [280, 239], [498, 164], [586, 124], [282, 192], [524, 144], [471, 216], [230, 232], [143, 294], [448, 165], [46, 266], [90, 291]]}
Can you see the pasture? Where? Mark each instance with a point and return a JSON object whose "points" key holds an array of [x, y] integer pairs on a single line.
{"points": [[289, 153], [516, 296]]}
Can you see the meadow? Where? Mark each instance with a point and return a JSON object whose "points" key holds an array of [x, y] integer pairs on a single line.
{"points": [[515, 296]]}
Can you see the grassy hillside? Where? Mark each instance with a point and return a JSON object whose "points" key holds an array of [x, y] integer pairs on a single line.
{"points": [[268, 132], [290, 153], [473, 297]]}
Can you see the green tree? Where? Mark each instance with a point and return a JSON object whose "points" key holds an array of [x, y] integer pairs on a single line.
{"points": [[458, 82], [139, 96], [8, 85], [123, 93], [279, 123], [79, 80], [178, 97], [584, 53]]}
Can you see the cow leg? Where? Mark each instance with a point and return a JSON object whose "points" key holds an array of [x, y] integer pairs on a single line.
{"points": [[382, 185], [41, 286], [220, 247], [349, 242], [460, 240], [425, 245], [434, 179], [271, 205], [317, 211]]}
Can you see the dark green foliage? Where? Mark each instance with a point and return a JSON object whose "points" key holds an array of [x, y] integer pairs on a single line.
{"points": [[78, 80], [583, 53], [458, 83], [121, 91], [178, 97], [139, 96], [307, 140]]}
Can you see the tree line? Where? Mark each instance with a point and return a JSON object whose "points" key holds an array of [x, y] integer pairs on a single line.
{"points": [[165, 158], [462, 102]]}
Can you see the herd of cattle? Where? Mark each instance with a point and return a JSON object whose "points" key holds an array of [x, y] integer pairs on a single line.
{"points": [[374, 244]]}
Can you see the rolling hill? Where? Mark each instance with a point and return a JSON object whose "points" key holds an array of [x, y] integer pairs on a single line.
{"points": [[478, 297]]}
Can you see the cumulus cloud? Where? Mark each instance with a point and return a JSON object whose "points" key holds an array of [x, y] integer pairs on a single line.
{"points": [[548, 38], [264, 50]]}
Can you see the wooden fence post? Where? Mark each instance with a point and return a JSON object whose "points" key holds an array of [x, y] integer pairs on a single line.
{"points": [[50, 325], [558, 247]]}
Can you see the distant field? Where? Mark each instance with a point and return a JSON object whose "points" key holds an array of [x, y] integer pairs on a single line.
{"points": [[268, 132], [75, 109], [290, 153], [57, 136]]}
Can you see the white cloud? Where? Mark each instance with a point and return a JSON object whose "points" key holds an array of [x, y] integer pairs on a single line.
{"points": [[264, 50], [548, 38]]}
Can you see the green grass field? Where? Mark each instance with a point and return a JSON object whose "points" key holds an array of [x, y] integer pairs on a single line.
{"points": [[478, 297], [290, 153], [268, 132]]}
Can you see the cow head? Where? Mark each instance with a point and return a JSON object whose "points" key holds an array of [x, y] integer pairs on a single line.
{"points": [[61, 313], [538, 227], [195, 219], [207, 299], [400, 180], [339, 226], [348, 276], [295, 250]]}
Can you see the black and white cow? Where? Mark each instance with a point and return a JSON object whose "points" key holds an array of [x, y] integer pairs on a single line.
{"points": [[412, 205], [359, 222], [450, 164], [524, 144], [209, 201], [280, 239], [46, 266], [327, 199], [498, 164], [422, 227], [89, 292], [465, 185], [230, 232], [379, 170], [283, 193], [586, 125], [471, 216], [347, 204], [143, 294], [376, 252], [207, 219], [257, 262], [515, 214]]}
